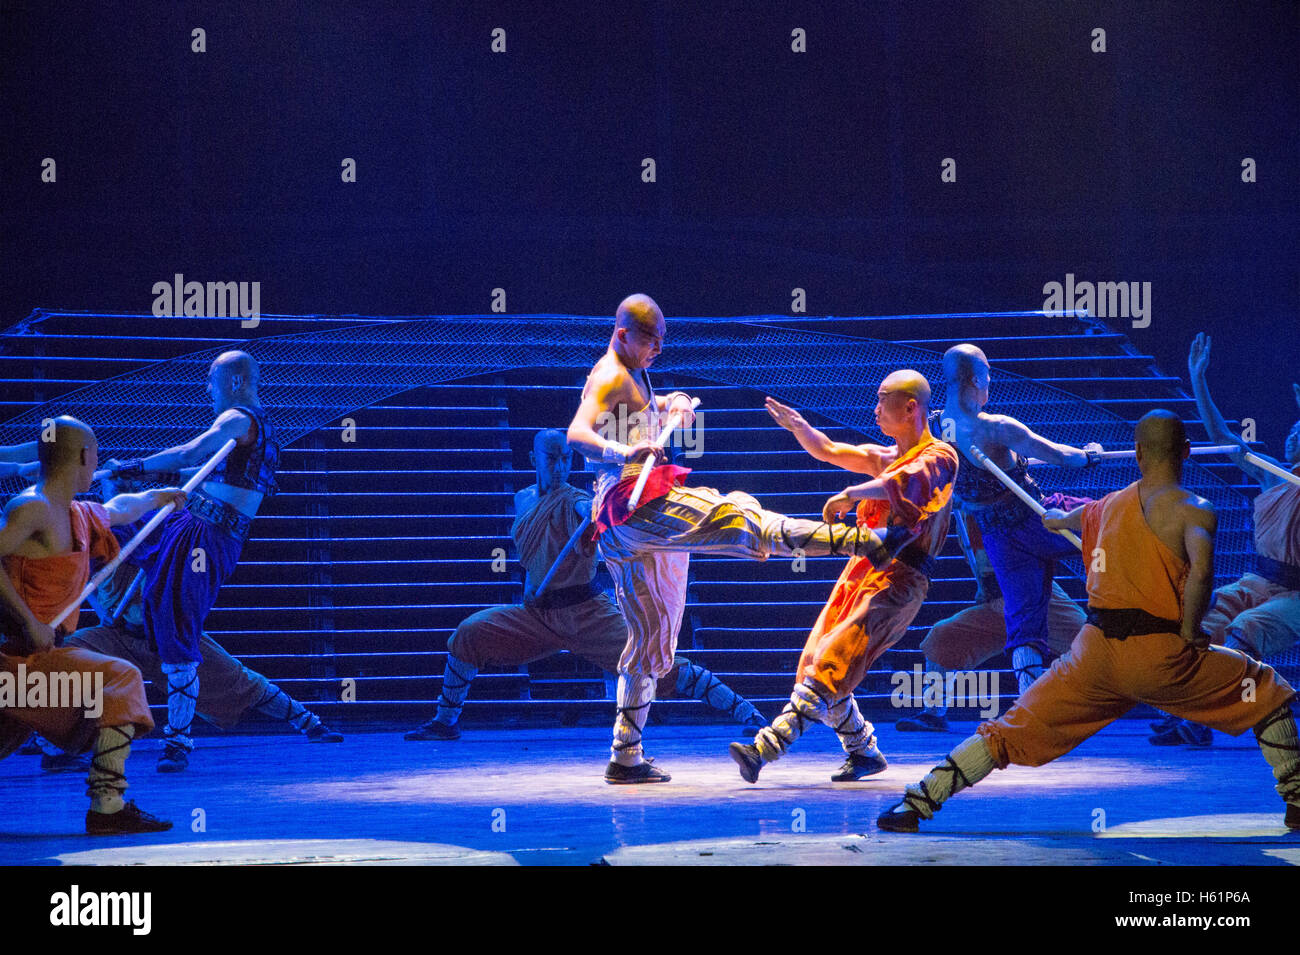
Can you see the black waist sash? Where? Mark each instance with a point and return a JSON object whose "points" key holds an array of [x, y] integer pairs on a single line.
{"points": [[1130, 622], [918, 558], [1282, 574]]}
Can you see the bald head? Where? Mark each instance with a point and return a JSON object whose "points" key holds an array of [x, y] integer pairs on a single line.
{"points": [[552, 459], [69, 443], [638, 311], [903, 402], [237, 364], [963, 363], [549, 439], [1160, 438]]}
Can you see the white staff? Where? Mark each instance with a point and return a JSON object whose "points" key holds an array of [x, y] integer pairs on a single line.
{"points": [[1270, 467], [983, 460], [107, 570], [1132, 452], [632, 502]]}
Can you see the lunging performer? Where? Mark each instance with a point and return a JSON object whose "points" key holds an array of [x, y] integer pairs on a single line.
{"points": [[1144, 642], [907, 503], [571, 614], [648, 549], [195, 551]]}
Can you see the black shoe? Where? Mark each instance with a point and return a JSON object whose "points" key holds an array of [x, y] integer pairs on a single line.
{"points": [[30, 748], [1194, 734], [320, 733], [65, 763], [1164, 725], [130, 818], [861, 765], [434, 730], [898, 818], [747, 758], [618, 774], [923, 722], [1292, 818], [174, 759]]}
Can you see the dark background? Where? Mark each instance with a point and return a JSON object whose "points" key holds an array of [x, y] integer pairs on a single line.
{"points": [[775, 170]]}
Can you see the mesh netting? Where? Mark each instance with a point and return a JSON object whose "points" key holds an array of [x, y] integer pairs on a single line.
{"points": [[310, 380]]}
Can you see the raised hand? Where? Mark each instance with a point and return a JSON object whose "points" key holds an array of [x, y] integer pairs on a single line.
{"points": [[784, 415], [1198, 358]]}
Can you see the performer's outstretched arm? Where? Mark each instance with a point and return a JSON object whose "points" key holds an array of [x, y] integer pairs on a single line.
{"points": [[230, 424], [1198, 363], [20, 523], [1022, 439], [1056, 519], [125, 508], [858, 458]]}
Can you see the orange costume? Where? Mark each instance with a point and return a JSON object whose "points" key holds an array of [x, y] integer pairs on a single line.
{"points": [[872, 604], [1101, 679], [47, 585], [1138, 599]]}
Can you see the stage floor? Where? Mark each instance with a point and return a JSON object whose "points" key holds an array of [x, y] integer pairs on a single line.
{"points": [[505, 797]]}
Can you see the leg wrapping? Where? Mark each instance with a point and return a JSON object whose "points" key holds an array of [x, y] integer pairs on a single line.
{"points": [[1028, 664], [698, 683], [182, 699], [962, 768], [456, 678], [1279, 743], [634, 695], [106, 780], [806, 706]]}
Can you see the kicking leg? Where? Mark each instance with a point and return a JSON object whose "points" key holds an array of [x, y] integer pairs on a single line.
{"points": [[962, 768], [699, 683], [807, 705]]}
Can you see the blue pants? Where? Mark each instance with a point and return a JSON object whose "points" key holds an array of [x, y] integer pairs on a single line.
{"points": [[1024, 559], [176, 596]]}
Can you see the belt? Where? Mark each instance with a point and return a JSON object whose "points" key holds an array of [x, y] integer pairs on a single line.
{"points": [[559, 598], [1004, 513], [219, 513], [1130, 622], [1281, 573]]}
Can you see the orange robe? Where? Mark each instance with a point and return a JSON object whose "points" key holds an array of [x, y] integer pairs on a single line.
{"points": [[871, 608], [47, 585], [1100, 679]]}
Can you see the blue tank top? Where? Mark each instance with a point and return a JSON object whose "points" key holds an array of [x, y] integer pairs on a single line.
{"points": [[251, 466]]}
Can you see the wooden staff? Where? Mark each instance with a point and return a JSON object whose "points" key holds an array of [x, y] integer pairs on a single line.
{"points": [[983, 460]]}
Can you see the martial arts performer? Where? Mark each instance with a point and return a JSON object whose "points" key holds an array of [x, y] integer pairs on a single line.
{"points": [[1260, 613], [1143, 643], [648, 549], [1022, 552], [177, 596], [908, 500], [571, 614], [47, 540], [228, 690], [971, 637]]}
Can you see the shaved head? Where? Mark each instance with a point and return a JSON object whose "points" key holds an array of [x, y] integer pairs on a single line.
{"points": [[1161, 437], [231, 363], [638, 311], [549, 439], [69, 442], [907, 382], [962, 362]]}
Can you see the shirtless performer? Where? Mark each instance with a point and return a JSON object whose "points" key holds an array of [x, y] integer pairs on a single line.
{"points": [[571, 614], [47, 540], [1023, 554], [909, 498], [1260, 613], [177, 597], [1144, 642], [648, 550]]}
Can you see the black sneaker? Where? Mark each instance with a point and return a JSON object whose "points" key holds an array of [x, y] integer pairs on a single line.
{"points": [[65, 763], [174, 759], [899, 818], [130, 818], [923, 723], [30, 748], [861, 765], [434, 730], [1292, 818], [618, 774], [1164, 725], [320, 733], [747, 758]]}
